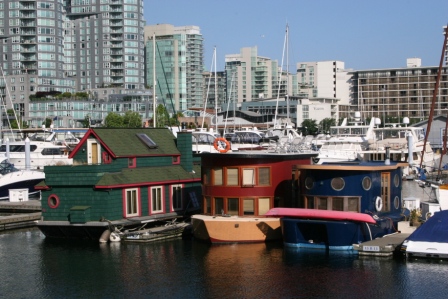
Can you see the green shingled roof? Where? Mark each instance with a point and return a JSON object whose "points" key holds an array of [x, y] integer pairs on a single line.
{"points": [[124, 142], [144, 175]]}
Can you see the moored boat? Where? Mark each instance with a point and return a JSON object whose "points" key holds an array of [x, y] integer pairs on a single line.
{"points": [[236, 229], [13, 178], [170, 230], [430, 240], [343, 204]]}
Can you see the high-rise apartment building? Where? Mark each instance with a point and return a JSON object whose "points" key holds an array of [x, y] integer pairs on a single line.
{"points": [[391, 94], [71, 45], [103, 43], [179, 65], [254, 77], [324, 79]]}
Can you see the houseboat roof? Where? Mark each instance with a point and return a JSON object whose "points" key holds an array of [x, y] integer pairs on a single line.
{"points": [[261, 154], [355, 165], [124, 142]]}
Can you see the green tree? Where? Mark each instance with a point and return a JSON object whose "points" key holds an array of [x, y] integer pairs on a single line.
{"points": [[113, 120], [48, 121], [326, 123], [309, 127], [162, 116], [132, 119], [86, 121], [23, 125]]}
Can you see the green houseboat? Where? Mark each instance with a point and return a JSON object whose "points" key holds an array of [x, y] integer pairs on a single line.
{"points": [[120, 178]]}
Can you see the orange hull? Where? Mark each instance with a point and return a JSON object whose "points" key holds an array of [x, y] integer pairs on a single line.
{"points": [[234, 229]]}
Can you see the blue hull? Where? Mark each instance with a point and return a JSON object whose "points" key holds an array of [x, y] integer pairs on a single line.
{"points": [[329, 235]]}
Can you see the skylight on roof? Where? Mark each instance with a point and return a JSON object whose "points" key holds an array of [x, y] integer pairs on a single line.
{"points": [[146, 140]]}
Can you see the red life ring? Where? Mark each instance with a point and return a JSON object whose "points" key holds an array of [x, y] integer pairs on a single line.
{"points": [[218, 145]]}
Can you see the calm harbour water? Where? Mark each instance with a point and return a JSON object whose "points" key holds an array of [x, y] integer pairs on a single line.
{"points": [[35, 267]]}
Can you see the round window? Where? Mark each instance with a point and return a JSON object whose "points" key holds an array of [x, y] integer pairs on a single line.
{"points": [[396, 202], [337, 183], [53, 201], [396, 180], [309, 183], [366, 183]]}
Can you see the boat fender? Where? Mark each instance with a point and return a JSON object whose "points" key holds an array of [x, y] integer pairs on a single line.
{"points": [[114, 237], [378, 204], [219, 143], [105, 236]]}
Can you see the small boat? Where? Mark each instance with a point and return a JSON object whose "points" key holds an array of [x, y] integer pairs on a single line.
{"points": [[430, 240], [236, 229], [13, 178], [170, 230]]}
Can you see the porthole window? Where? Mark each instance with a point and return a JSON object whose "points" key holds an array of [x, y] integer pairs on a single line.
{"points": [[53, 201], [396, 202], [366, 183], [309, 183], [396, 180], [337, 184]]}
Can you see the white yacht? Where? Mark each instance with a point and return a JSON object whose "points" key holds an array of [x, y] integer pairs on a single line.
{"points": [[346, 141], [42, 153]]}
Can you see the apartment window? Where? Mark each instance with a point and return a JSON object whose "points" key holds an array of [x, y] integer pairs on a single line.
{"points": [[132, 203], [156, 200]]}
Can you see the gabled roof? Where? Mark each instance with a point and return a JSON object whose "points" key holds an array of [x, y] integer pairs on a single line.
{"points": [[147, 176], [124, 142]]}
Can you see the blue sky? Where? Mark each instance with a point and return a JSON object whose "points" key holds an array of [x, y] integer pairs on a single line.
{"points": [[364, 34]]}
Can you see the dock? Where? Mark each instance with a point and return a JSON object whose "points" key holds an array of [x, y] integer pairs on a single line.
{"points": [[19, 214], [385, 246]]}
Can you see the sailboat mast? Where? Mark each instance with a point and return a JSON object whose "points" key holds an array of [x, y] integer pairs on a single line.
{"points": [[154, 118], [287, 73], [216, 95], [434, 95]]}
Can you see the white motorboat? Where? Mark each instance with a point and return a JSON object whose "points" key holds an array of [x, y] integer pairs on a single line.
{"points": [[13, 178], [42, 153], [347, 141]]}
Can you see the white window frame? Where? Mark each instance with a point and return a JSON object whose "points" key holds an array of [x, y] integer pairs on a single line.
{"points": [[156, 199], [132, 202]]}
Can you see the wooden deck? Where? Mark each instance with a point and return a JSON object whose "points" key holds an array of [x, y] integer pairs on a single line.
{"points": [[19, 214]]}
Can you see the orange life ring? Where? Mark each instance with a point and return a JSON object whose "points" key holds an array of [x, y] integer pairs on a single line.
{"points": [[217, 144]]}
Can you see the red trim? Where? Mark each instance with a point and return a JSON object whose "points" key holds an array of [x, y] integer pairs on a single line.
{"points": [[134, 162], [106, 157], [181, 195], [49, 201], [149, 184], [41, 187]]}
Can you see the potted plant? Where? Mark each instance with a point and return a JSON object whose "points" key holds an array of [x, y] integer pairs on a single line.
{"points": [[415, 217]]}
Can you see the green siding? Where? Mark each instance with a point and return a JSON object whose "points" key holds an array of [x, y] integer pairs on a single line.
{"points": [[100, 187]]}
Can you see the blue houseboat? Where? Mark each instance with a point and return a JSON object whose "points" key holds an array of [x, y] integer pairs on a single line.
{"points": [[333, 196], [120, 178]]}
